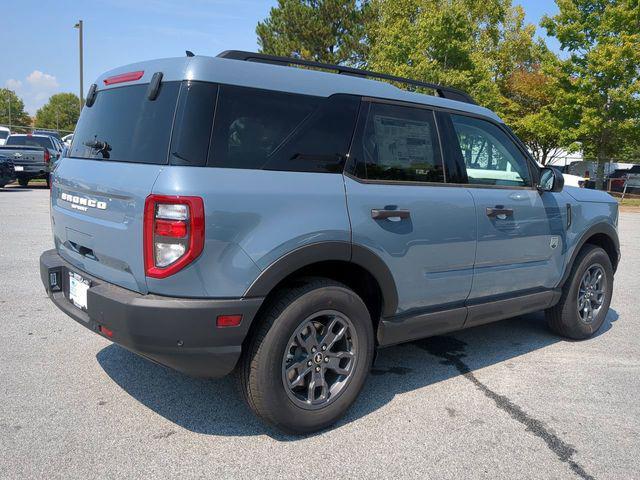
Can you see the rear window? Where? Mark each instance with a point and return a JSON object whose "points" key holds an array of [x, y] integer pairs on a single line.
{"points": [[30, 141], [123, 125], [3, 134]]}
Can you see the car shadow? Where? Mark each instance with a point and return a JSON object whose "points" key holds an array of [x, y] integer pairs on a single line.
{"points": [[214, 407], [13, 189]]}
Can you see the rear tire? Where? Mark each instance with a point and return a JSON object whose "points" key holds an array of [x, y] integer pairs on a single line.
{"points": [[310, 356], [23, 182], [590, 285], [48, 180]]}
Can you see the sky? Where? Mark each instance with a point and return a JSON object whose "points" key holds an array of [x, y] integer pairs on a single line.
{"points": [[40, 46]]}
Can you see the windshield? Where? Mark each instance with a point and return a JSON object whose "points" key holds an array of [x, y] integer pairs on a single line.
{"points": [[30, 141], [123, 125]]}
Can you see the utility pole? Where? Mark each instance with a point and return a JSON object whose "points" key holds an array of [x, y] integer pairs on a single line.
{"points": [[79, 27]]}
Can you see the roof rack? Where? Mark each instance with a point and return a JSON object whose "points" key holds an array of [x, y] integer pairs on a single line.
{"points": [[441, 90]]}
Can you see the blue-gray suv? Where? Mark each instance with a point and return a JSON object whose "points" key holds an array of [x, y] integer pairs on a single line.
{"points": [[243, 214]]}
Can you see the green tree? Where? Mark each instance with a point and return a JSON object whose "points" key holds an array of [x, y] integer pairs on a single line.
{"points": [[453, 43], [330, 31], [539, 109], [602, 38], [12, 109], [60, 112]]}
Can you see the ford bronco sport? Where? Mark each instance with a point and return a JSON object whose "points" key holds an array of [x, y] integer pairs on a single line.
{"points": [[242, 214]]}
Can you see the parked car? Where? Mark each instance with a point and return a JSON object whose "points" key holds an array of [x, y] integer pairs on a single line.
{"points": [[293, 220], [33, 156], [618, 179], [51, 133], [7, 171], [4, 133], [573, 180]]}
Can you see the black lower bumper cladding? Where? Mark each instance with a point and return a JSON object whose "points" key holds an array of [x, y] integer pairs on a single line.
{"points": [[180, 333]]}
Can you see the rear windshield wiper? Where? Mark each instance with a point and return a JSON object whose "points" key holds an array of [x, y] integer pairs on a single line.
{"points": [[99, 146]]}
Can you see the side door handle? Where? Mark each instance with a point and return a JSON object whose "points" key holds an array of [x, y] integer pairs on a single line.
{"points": [[381, 214], [499, 212]]}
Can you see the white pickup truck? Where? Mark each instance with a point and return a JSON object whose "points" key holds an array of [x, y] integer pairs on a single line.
{"points": [[4, 134]]}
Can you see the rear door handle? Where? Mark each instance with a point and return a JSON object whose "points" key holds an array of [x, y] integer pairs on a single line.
{"points": [[379, 214], [499, 212]]}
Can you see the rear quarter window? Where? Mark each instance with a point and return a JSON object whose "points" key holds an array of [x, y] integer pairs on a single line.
{"points": [[123, 125], [261, 129]]}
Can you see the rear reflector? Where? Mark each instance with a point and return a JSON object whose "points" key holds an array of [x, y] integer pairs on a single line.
{"points": [[228, 320], [124, 77], [105, 331]]}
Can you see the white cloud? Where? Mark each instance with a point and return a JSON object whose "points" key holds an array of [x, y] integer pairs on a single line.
{"points": [[42, 81], [13, 84], [35, 90]]}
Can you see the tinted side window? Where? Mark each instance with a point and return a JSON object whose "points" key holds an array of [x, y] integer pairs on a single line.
{"points": [[321, 142], [400, 143], [490, 156], [193, 123], [251, 124], [124, 125]]}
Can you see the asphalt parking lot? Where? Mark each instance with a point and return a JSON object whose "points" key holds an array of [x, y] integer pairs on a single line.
{"points": [[507, 400]]}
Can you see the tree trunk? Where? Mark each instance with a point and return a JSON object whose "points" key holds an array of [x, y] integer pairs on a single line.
{"points": [[602, 159], [543, 158]]}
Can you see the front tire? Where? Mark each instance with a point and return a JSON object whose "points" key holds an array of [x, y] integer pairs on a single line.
{"points": [[23, 182], [310, 356], [586, 296]]}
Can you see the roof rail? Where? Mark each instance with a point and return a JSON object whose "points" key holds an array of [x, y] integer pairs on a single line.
{"points": [[441, 90]]}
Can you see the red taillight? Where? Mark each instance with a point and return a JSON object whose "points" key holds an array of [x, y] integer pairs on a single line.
{"points": [[173, 233], [171, 228], [47, 156], [124, 77], [228, 320]]}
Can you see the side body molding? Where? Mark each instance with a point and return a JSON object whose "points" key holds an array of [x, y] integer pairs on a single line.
{"points": [[328, 251]]}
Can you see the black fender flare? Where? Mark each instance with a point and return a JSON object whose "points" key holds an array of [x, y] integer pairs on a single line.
{"points": [[599, 228], [328, 251]]}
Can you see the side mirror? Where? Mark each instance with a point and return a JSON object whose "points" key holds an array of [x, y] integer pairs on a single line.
{"points": [[551, 180]]}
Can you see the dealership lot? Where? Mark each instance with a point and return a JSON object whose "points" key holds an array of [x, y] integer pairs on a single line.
{"points": [[505, 400]]}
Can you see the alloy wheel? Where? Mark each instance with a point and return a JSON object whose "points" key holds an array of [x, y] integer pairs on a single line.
{"points": [[319, 360], [591, 293]]}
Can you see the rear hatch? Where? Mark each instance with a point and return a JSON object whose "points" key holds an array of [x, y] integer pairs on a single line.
{"points": [[120, 145]]}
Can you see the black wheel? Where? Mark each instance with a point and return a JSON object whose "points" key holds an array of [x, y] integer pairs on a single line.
{"points": [[309, 357], [23, 182], [48, 180], [586, 296]]}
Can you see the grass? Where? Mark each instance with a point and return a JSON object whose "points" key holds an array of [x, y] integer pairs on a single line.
{"points": [[630, 202]]}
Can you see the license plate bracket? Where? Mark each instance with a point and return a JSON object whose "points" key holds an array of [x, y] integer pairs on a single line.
{"points": [[78, 288]]}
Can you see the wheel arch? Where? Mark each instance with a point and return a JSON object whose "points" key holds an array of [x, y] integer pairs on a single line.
{"points": [[603, 235], [356, 266]]}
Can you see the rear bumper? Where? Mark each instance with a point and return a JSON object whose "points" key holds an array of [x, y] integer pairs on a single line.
{"points": [[32, 169], [180, 333]]}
